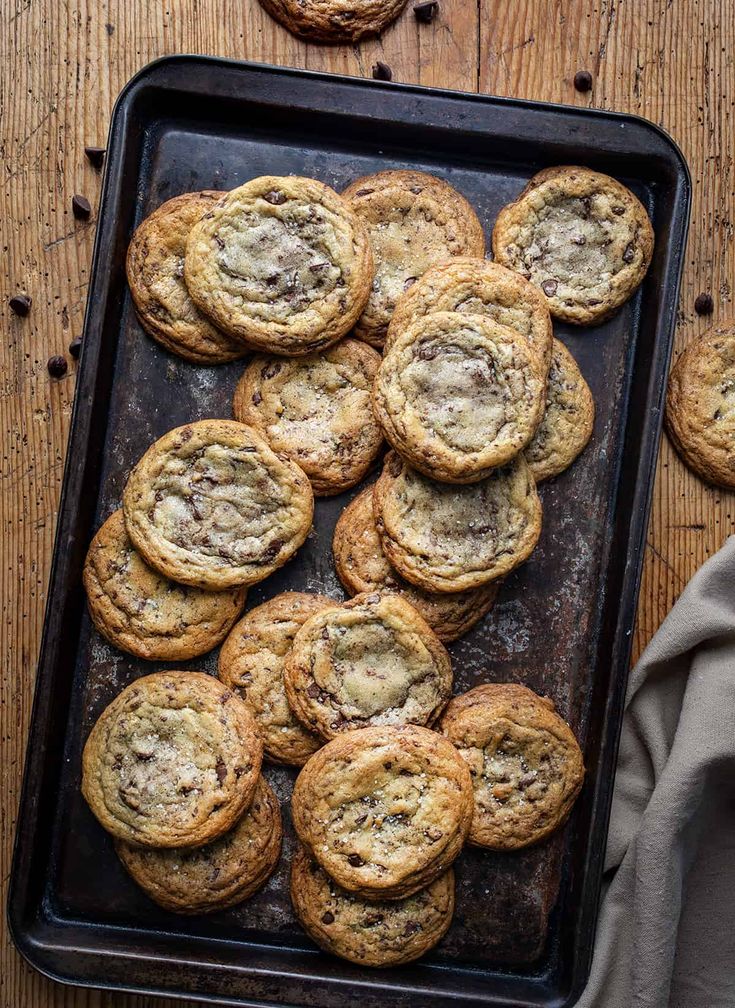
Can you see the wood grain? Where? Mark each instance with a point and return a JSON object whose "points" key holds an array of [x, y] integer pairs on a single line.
{"points": [[63, 64]]}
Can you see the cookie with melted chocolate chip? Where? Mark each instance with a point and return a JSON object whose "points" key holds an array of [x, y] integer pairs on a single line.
{"points": [[334, 20]]}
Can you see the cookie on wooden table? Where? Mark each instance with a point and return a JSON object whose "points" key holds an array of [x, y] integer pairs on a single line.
{"points": [[445, 537], [384, 933], [583, 238], [212, 506], [317, 410], [282, 263], [370, 661], [334, 20], [224, 872], [700, 405], [526, 764], [384, 811], [459, 395], [415, 220], [251, 662], [173, 761]]}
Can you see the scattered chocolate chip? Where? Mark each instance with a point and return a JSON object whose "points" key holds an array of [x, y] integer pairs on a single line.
{"points": [[275, 197], [629, 253], [81, 207], [20, 304], [704, 304], [328, 917], [257, 398], [409, 282], [426, 12], [57, 366], [75, 348], [95, 156], [381, 71], [583, 80], [549, 287], [355, 860]]}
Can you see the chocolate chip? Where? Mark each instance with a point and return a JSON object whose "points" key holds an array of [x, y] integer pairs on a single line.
{"points": [[219, 241], [704, 304], [361, 819], [618, 210], [75, 348], [270, 370], [272, 551], [583, 80], [373, 919], [388, 765], [426, 12], [355, 860], [275, 197], [381, 71], [328, 917], [257, 398], [629, 253], [411, 928], [325, 633], [427, 353], [364, 192], [416, 189], [81, 207], [409, 282], [57, 366], [95, 156], [221, 771], [717, 415], [549, 287], [313, 691], [20, 304]]}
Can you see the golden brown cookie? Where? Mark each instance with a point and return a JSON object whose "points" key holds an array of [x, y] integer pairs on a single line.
{"points": [[415, 220], [385, 933], [334, 20], [251, 662], [282, 263], [459, 395], [363, 567], [224, 872], [140, 611], [370, 661], [568, 419], [155, 270], [384, 811], [700, 405], [525, 762], [317, 410], [449, 538], [173, 761], [478, 287], [580, 236], [212, 506]]}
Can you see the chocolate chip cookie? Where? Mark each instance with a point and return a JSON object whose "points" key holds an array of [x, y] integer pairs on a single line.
{"points": [[414, 220], [580, 236], [282, 263], [385, 933], [140, 611], [224, 872], [251, 663], [363, 567], [700, 405], [525, 762], [370, 661], [449, 538], [568, 419], [334, 20], [173, 761], [155, 269], [459, 395], [317, 410], [384, 811], [212, 506]]}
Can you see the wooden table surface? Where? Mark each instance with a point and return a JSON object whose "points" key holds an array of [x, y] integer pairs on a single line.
{"points": [[63, 65]]}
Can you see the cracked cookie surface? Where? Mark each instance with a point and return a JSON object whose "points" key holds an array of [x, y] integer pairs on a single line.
{"points": [[212, 506], [384, 811], [282, 263], [317, 410], [415, 220], [173, 761], [446, 537], [251, 662], [370, 661], [525, 762], [334, 20], [583, 238], [459, 395], [224, 872]]}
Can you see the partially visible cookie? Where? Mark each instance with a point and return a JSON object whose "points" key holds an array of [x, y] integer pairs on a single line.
{"points": [[415, 220], [580, 236], [173, 761], [370, 661], [224, 872], [141, 611], [700, 405], [384, 811], [317, 410], [334, 20], [363, 567], [282, 263], [449, 538], [212, 506], [251, 662], [155, 270], [385, 933], [526, 764], [568, 419], [459, 395]]}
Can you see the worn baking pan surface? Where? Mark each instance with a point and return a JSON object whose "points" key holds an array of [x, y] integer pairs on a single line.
{"points": [[562, 624]]}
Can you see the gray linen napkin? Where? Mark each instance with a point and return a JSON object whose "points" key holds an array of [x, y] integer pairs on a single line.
{"points": [[666, 932]]}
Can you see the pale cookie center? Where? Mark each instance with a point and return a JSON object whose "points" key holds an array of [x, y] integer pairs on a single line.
{"points": [[404, 249], [514, 771]]}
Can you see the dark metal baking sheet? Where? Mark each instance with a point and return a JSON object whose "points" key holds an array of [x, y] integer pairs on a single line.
{"points": [[562, 625]]}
